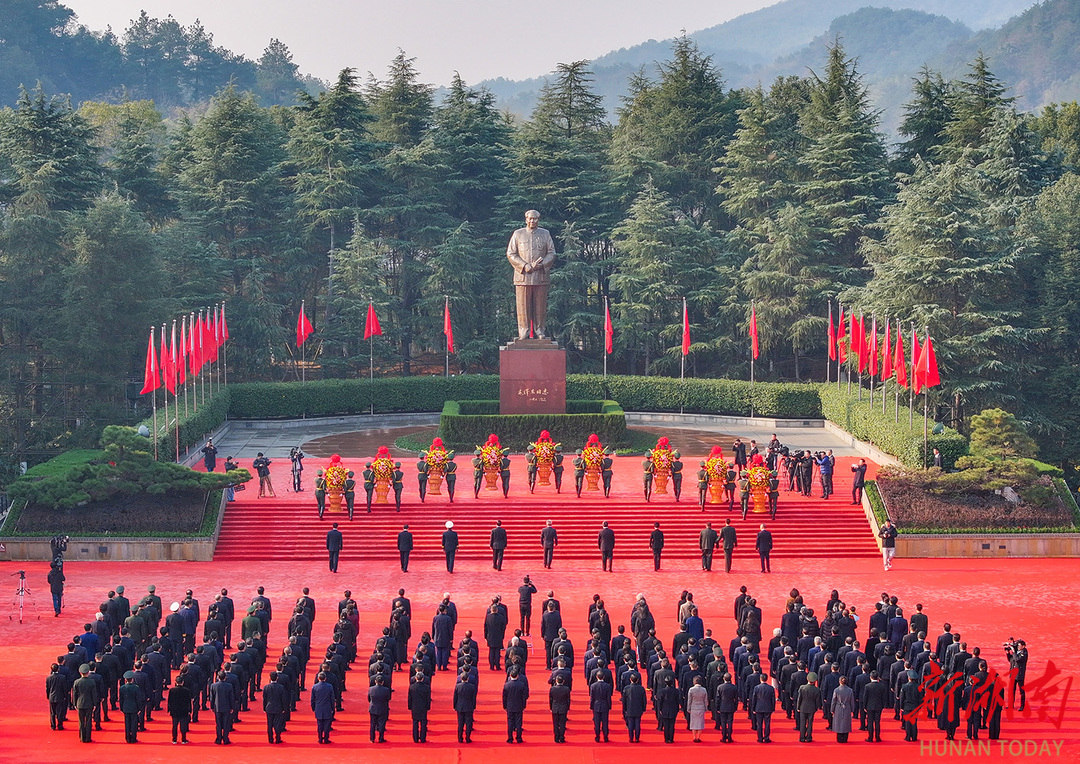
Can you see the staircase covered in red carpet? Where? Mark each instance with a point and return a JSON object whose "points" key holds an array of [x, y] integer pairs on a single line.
{"points": [[288, 527]]}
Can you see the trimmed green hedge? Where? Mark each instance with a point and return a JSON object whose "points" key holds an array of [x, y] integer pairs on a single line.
{"points": [[700, 396], [65, 461], [336, 397], [463, 431], [882, 430]]}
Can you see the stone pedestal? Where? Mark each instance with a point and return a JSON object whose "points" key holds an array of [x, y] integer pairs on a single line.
{"points": [[532, 378]]}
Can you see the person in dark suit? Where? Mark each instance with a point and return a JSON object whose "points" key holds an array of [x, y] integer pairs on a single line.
{"points": [[276, 703], [419, 704], [57, 693], [600, 692], [634, 703], [738, 448], [132, 700], [549, 539], [404, 545], [808, 702], [728, 541], [498, 545], [559, 702], [379, 707], [667, 701], [224, 700], [708, 540], [525, 593], [606, 542], [209, 452], [858, 481], [322, 705], [179, 707], [333, 546], [726, 704], [656, 544], [762, 706], [494, 634], [911, 700], [450, 545], [515, 697], [764, 544], [873, 700], [465, 706]]}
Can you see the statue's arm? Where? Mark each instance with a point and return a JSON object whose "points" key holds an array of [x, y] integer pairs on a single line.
{"points": [[548, 258], [513, 256]]}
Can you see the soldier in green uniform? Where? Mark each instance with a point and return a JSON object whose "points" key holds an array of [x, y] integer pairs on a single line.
{"points": [[350, 491], [397, 478], [85, 697], [504, 473], [478, 473], [422, 475], [744, 494], [647, 468], [320, 492], [606, 474], [729, 487], [676, 475], [774, 493], [579, 473], [369, 483], [530, 459], [702, 485], [557, 468], [251, 625], [450, 473]]}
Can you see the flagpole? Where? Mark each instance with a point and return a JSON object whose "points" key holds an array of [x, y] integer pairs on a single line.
{"points": [[183, 337], [851, 347], [446, 306], [873, 353], [210, 361], [607, 312], [153, 394], [164, 375], [224, 356], [832, 341], [753, 315], [220, 343], [925, 405], [900, 339], [682, 370], [371, 371], [202, 377], [839, 318], [303, 352], [884, 379], [191, 364], [911, 382]]}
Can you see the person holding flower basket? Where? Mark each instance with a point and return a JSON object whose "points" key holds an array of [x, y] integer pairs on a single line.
{"points": [[335, 477]]}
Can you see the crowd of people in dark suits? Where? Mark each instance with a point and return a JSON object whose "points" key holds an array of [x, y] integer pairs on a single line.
{"points": [[134, 661]]}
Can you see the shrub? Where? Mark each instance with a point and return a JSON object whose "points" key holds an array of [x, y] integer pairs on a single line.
{"points": [[126, 468], [896, 438], [467, 424]]}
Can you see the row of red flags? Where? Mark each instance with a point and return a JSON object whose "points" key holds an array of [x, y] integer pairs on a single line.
{"points": [[304, 329], [850, 336], [184, 354]]}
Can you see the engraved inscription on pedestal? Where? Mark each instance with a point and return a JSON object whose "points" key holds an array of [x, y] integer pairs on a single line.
{"points": [[532, 378]]}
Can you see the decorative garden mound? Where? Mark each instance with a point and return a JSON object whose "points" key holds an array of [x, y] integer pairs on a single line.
{"points": [[464, 424], [138, 515], [917, 508]]}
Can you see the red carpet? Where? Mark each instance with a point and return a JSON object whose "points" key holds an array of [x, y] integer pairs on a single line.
{"points": [[987, 600], [804, 527]]}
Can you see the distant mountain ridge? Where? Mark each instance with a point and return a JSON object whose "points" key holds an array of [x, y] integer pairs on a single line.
{"points": [[790, 36]]}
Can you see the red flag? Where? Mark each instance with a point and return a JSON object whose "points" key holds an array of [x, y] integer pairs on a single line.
{"points": [[926, 369], [210, 342], [217, 331], [916, 353], [832, 336], [168, 366], [448, 328], [609, 330], [899, 362], [192, 347], [150, 374], [303, 327], [685, 329], [841, 331], [181, 356], [887, 366], [371, 326], [224, 325], [859, 344], [873, 349], [204, 346], [753, 331]]}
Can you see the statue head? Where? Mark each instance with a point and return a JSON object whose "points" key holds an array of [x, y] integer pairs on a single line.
{"points": [[532, 219]]}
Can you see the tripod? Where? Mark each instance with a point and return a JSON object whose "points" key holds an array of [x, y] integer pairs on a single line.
{"points": [[21, 593]]}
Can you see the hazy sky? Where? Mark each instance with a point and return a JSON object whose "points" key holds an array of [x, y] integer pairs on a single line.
{"points": [[481, 39]]}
